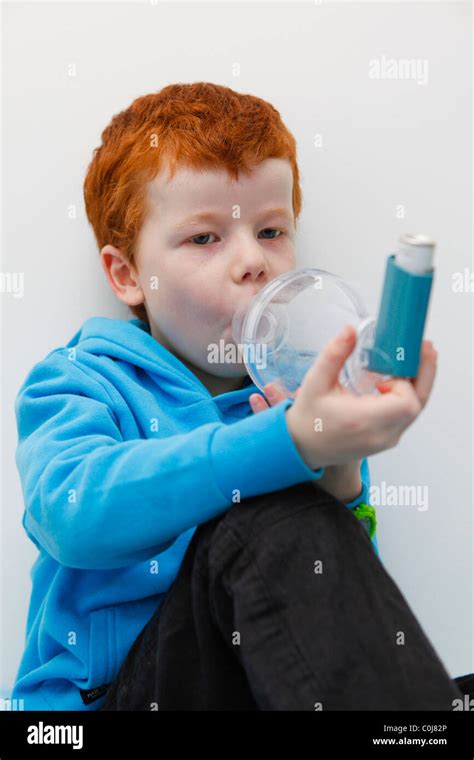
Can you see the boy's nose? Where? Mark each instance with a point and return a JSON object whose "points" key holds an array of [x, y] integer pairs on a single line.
{"points": [[254, 265]]}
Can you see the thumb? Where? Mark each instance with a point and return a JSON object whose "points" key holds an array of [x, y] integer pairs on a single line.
{"points": [[323, 374]]}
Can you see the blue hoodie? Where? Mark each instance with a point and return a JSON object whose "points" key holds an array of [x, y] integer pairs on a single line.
{"points": [[122, 452]]}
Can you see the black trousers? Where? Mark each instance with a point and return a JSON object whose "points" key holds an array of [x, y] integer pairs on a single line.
{"points": [[282, 604]]}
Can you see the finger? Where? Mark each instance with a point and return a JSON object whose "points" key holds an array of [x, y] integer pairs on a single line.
{"points": [[257, 403], [401, 399], [323, 374], [273, 393], [423, 382]]}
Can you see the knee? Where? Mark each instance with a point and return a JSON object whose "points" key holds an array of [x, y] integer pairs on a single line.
{"points": [[302, 509]]}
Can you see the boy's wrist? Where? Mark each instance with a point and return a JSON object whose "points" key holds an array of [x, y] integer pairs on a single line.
{"points": [[293, 428], [343, 481]]}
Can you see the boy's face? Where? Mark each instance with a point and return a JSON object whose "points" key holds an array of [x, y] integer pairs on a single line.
{"points": [[192, 274]]}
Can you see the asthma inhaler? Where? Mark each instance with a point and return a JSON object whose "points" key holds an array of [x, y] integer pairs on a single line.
{"points": [[285, 327], [403, 308]]}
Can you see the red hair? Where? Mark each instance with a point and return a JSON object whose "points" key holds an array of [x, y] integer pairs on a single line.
{"points": [[201, 126]]}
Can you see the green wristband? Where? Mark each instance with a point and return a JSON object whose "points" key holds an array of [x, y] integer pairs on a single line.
{"points": [[366, 514]]}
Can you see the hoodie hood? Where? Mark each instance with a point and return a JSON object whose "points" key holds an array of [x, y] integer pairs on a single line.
{"points": [[130, 342]]}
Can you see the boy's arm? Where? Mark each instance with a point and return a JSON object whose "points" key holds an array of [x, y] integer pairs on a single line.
{"points": [[364, 497], [95, 501], [363, 486], [344, 482]]}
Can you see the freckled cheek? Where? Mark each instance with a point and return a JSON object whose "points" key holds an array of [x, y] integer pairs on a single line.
{"points": [[207, 312], [194, 311], [288, 260]]}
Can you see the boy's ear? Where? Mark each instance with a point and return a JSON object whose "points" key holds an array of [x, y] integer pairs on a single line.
{"points": [[122, 276]]}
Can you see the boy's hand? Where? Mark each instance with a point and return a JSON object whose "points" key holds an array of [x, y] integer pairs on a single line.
{"points": [[342, 481], [330, 425]]}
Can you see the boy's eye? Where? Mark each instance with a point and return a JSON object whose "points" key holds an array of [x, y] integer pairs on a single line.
{"points": [[203, 235], [272, 229], [198, 239]]}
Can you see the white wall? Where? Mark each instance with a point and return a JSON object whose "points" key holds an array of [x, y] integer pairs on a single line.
{"points": [[385, 143]]}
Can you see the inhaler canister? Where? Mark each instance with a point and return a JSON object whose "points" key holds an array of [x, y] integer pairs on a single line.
{"points": [[403, 308]]}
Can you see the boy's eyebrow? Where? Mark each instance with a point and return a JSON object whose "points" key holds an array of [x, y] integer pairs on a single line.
{"points": [[208, 216]]}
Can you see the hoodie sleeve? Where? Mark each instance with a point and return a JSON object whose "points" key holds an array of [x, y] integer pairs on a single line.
{"points": [[95, 501]]}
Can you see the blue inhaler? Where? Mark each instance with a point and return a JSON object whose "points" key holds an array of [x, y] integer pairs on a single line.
{"points": [[280, 333], [403, 308]]}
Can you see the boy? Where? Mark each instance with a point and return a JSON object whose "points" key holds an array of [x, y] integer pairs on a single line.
{"points": [[128, 438]]}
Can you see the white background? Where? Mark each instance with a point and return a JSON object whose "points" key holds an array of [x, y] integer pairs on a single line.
{"points": [[386, 143]]}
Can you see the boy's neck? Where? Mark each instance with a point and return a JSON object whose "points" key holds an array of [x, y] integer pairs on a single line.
{"points": [[214, 384]]}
